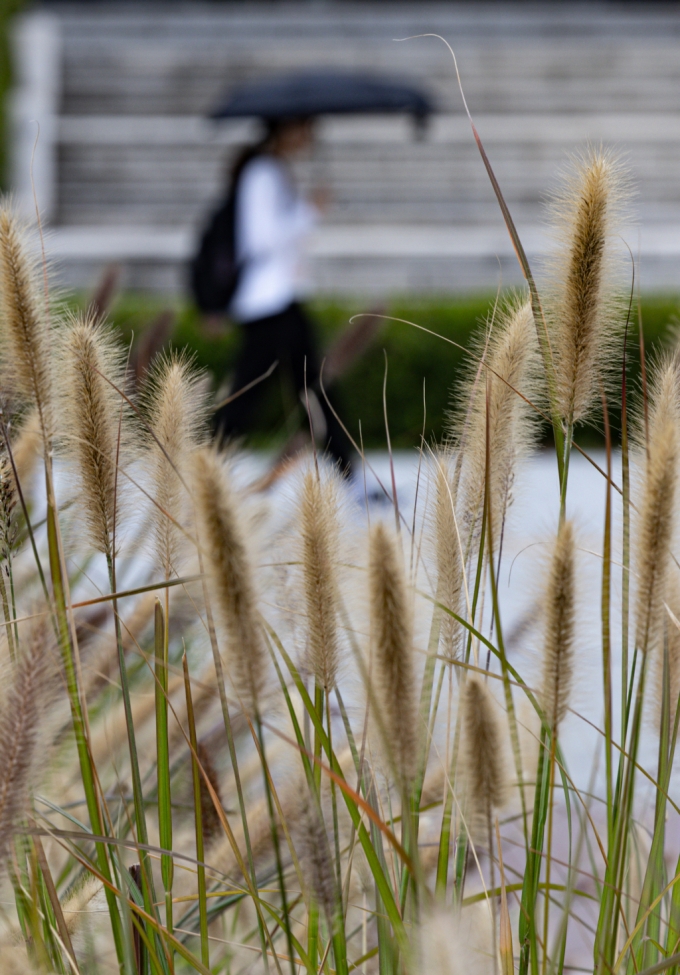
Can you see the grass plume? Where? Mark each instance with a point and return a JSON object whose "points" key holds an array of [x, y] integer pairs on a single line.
{"points": [[560, 618], [484, 753], [24, 324], [320, 536], [656, 518], [316, 860], [392, 645], [230, 574], [210, 820], [583, 308], [449, 553], [495, 412], [94, 418], [175, 403], [20, 717]]}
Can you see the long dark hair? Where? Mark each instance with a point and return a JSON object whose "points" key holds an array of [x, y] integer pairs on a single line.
{"points": [[272, 127]]}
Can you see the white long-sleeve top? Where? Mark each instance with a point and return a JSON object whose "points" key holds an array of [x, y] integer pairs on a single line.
{"points": [[271, 221]]}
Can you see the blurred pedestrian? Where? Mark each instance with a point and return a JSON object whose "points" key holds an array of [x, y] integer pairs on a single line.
{"points": [[261, 229]]}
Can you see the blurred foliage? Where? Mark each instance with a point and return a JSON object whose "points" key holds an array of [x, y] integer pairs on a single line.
{"points": [[8, 8], [413, 358]]}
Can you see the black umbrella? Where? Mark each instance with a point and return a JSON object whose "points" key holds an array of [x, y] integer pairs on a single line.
{"points": [[320, 92]]}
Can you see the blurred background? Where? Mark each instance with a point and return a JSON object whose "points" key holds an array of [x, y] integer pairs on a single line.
{"points": [[127, 161]]}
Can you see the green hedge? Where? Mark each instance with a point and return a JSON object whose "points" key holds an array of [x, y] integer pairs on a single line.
{"points": [[412, 356], [8, 8]]}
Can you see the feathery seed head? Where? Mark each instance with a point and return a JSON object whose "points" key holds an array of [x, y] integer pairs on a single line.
{"points": [[454, 942], [392, 644], [484, 754], [8, 500], [558, 650], [320, 533], [316, 859], [656, 509], [449, 553], [94, 416], [210, 820], [583, 307], [672, 644], [78, 903], [24, 326], [230, 574], [26, 449], [497, 422], [175, 400], [20, 714]]}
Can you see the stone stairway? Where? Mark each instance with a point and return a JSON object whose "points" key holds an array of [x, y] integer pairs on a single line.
{"points": [[127, 163]]}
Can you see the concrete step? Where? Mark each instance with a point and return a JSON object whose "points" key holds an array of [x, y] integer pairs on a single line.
{"points": [[127, 164], [371, 261], [165, 170]]}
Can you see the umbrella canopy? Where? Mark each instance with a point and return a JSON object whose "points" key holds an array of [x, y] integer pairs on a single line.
{"points": [[320, 92]]}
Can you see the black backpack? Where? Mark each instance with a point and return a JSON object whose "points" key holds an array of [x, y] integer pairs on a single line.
{"points": [[214, 272]]}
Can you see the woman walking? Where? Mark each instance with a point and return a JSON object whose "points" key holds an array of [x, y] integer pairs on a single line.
{"points": [[270, 221]]}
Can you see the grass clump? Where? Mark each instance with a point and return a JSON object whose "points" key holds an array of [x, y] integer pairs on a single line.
{"points": [[253, 732]]}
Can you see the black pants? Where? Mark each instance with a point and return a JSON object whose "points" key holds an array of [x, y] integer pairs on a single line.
{"points": [[286, 337]]}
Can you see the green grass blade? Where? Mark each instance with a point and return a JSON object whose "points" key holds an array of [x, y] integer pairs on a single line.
{"points": [[198, 818], [163, 757]]}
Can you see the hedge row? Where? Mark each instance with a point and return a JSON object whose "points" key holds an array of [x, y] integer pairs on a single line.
{"points": [[416, 361]]}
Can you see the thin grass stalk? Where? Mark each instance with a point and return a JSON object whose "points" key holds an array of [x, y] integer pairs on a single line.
{"points": [[313, 924], [655, 532], [39, 935], [642, 955], [527, 931], [427, 715], [673, 933], [79, 726], [163, 757], [94, 413], [610, 910], [386, 949], [250, 876], [372, 848], [285, 915], [55, 904], [507, 689], [24, 511], [50, 929], [334, 807], [198, 818], [536, 305], [147, 882], [605, 604], [447, 819], [9, 617], [625, 555]]}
